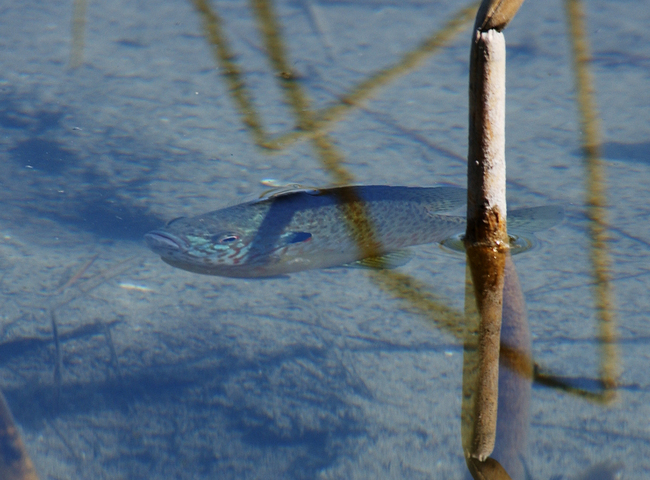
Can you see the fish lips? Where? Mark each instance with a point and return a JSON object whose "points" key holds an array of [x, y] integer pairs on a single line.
{"points": [[164, 243]]}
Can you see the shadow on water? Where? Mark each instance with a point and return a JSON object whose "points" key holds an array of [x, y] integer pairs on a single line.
{"points": [[317, 429], [53, 180], [627, 152], [44, 155], [623, 152]]}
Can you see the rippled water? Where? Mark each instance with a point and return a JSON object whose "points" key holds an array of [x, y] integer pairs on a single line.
{"points": [[166, 374]]}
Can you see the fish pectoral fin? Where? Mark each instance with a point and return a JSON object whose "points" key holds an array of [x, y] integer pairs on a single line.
{"points": [[296, 237], [387, 261]]}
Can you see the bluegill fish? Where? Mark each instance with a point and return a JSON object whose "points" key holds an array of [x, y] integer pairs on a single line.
{"points": [[308, 229]]}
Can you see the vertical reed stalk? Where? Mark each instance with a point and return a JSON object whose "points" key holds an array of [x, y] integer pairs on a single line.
{"points": [[486, 238]]}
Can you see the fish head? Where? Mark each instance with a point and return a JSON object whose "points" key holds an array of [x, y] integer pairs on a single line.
{"points": [[202, 245]]}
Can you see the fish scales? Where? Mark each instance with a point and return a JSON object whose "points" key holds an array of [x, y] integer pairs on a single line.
{"points": [[306, 229], [303, 229]]}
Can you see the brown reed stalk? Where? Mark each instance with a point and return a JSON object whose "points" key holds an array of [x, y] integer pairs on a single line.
{"points": [[486, 238]]}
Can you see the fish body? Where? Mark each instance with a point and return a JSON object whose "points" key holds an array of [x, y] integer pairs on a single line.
{"points": [[302, 229], [308, 229]]}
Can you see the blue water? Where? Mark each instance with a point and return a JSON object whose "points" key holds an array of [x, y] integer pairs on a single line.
{"points": [[165, 374]]}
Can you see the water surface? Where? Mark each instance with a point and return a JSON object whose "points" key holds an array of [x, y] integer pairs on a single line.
{"points": [[167, 374]]}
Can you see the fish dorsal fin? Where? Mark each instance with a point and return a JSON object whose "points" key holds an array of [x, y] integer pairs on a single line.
{"points": [[387, 261], [287, 190], [281, 190], [272, 193]]}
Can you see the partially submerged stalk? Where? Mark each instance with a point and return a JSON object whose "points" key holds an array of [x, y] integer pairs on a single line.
{"points": [[486, 238]]}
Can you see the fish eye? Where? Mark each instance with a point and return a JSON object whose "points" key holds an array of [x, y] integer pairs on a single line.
{"points": [[174, 220], [225, 238]]}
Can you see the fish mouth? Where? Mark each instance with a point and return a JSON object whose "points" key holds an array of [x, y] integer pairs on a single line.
{"points": [[163, 242]]}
